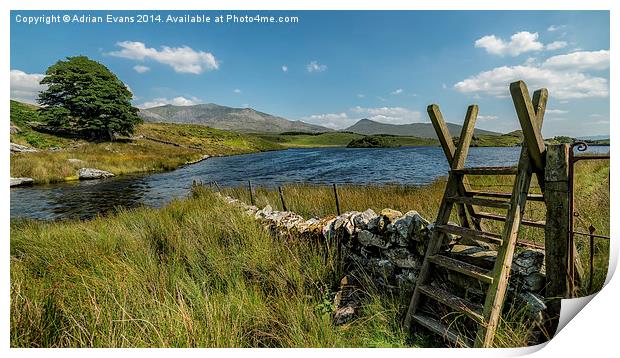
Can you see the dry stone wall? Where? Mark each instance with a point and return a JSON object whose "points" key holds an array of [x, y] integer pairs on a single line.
{"points": [[388, 248]]}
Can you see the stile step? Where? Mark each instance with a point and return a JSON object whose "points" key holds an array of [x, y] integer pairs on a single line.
{"points": [[470, 309], [493, 194], [439, 328], [465, 268], [497, 217], [487, 171], [480, 202], [489, 237]]}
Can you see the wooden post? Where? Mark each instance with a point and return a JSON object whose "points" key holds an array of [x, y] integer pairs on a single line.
{"points": [[445, 139], [251, 193], [282, 198], [527, 118], [592, 229], [556, 231], [337, 200]]}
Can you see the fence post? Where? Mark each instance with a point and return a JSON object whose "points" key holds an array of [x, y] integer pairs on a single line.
{"points": [[556, 231], [282, 198], [251, 194], [592, 229], [337, 200]]}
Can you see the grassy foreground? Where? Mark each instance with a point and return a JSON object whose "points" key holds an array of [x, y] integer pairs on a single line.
{"points": [[145, 154], [197, 273]]}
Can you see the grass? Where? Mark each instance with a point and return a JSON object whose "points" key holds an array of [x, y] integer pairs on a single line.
{"points": [[339, 139], [591, 201], [121, 157], [197, 273]]}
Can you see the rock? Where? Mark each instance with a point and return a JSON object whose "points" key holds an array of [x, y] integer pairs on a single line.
{"points": [[21, 181], [367, 238], [381, 267], [410, 226], [75, 161], [390, 215], [90, 173], [535, 305], [361, 220], [402, 258], [15, 129], [18, 148], [343, 315], [534, 282], [474, 255], [406, 280], [528, 262]]}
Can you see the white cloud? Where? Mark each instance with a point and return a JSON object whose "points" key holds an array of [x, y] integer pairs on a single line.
{"points": [[177, 101], [580, 60], [393, 115], [561, 84], [181, 59], [397, 91], [237, 91], [314, 66], [25, 87], [553, 28], [555, 111], [284, 68], [141, 69], [360, 95], [556, 45], [330, 120], [487, 118], [519, 43]]}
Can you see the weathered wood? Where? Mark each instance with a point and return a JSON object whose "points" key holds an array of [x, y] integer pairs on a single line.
{"points": [[528, 119], [501, 270], [440, 329], [282, 198], [337, 199], [443, 215], [251, 192], [447, 144], [487, 171], [470, 233], [494, 194], [491, 216], [467, 132], [470, 309], [556, 231], [465, 268], [480, 202], [539, 101]]}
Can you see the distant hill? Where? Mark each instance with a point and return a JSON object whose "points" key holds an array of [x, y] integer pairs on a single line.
{"points": [[222, 117], [421, 130]]}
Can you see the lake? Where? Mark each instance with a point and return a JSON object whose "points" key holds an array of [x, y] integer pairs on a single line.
{"points": [[406, 165]]}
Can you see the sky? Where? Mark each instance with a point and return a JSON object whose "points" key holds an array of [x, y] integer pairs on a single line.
{"points": [[333, 68]]}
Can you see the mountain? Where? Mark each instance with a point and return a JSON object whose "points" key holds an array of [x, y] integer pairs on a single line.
{"points": [[594, 137], [421, 130], [222, 117]]}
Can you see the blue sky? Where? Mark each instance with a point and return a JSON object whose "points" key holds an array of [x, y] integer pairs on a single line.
{"points": [[333, 68]]}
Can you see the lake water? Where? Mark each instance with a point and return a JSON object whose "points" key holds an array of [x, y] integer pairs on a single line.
{"points": [[409, 165]]}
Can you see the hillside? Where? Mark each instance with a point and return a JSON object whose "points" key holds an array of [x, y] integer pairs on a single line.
{"points": [[229, 118], [421, 130]]}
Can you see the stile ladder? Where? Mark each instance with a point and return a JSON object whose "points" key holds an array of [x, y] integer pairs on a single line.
{"points": [[458, 193]]}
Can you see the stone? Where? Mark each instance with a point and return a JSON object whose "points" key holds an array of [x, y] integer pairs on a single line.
{"points": [[361, 220], [474, 255], [90, 173], [535, 305], [367, 238], [382, 267], [402, 258], [18, 148], [528, 262], [534, 282], [21, 181], [344, 315], [14, 129], [390, 215]]}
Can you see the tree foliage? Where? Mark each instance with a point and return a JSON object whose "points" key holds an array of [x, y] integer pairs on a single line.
{"points": [[85, 97]]}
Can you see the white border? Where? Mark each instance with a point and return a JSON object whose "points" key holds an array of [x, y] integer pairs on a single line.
{"points": [[592, 332]]}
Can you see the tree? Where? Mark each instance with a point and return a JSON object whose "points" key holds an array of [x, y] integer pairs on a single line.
{"points": [[86, 98]]}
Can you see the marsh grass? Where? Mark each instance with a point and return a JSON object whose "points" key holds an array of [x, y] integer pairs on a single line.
{"points": [[591, 201], [197, 273]]}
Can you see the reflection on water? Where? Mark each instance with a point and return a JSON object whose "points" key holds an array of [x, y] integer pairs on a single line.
{"points": [[412, 165]]}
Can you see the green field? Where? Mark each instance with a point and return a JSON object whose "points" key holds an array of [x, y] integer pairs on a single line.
{"points": [[141, 154]]}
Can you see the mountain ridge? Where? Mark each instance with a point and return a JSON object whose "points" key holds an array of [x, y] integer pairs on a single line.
{"points": [[367, 126]]}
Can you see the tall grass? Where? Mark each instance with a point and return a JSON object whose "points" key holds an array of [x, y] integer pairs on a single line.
{"points": [[197, 273], [591, 201]]}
